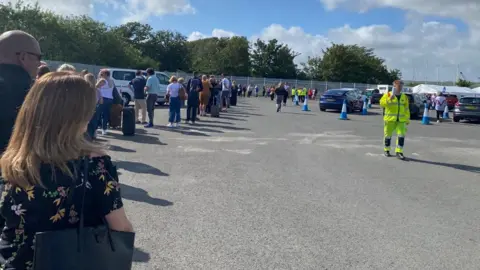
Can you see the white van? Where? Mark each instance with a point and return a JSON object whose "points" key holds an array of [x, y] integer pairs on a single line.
{"points": [[122, 78]]}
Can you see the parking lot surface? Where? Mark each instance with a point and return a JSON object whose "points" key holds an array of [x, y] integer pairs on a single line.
{"points": [[256, 189]]}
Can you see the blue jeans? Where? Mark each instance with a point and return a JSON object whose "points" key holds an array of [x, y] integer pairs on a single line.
{"points": [[93, 124], [104, 114], [174, 110]]}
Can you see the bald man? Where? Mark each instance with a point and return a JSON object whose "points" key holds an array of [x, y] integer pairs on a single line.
{"points": [[20, 57]]}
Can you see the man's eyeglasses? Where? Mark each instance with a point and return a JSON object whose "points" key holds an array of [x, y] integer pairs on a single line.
{"points": [[39, 57]]}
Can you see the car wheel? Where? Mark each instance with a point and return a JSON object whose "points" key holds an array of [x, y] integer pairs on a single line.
{"points": [[323, 109], [126, 99], [456, 119]]}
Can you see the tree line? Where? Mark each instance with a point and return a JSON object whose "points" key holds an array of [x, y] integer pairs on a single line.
{"points": [[81, 39]]}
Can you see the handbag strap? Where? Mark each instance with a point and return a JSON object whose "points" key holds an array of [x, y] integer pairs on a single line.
{"points": [[81, 227]]}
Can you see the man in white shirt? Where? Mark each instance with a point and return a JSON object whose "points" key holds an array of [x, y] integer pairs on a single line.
{"points": [[226, 88]]}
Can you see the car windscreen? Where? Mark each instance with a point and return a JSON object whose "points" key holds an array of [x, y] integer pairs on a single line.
{"points": [[335, 92], [470, 100]]}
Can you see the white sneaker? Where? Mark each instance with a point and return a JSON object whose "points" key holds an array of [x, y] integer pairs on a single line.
{"points": [[175, 124], [438, 121], [169, 125], [104, 132]]}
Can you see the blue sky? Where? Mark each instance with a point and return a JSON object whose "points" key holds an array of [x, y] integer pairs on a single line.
{"points": [[421, 38]]}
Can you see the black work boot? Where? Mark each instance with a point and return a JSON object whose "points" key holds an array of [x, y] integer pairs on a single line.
{"points": [[400, 156], [387, 153]]}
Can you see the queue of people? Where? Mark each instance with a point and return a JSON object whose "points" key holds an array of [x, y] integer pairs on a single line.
{"points": [[43, 149]]}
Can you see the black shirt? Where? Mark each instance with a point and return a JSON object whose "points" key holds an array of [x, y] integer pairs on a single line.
{"points": [[38, 209], [14, 85], [138, 85]]}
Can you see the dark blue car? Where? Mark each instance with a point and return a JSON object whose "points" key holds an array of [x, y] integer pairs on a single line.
{"points": [[333, 99]]}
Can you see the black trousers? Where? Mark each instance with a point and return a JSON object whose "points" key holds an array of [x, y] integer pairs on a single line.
{"points": [[151, 101]]}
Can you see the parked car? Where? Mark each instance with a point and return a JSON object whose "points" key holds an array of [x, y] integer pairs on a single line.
{"points": [[467, 107], [376, 96], [333, 99], [451, 101], [122, 78], [416, 105]]}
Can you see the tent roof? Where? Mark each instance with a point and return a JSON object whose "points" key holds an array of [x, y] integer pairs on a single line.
{"points": [[431, 89]]}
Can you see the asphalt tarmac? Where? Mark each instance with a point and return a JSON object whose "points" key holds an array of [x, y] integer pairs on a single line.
{"points": [[256, 189]]}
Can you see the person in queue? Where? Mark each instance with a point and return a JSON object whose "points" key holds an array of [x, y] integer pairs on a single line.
{"points": [[152, 89], [194, 88], [20, 57], [67, 67], [137, 85], [106, 86], [93, 124], [42, 70], [396, 118], [173, 92], [39, 165], [205, 95]]}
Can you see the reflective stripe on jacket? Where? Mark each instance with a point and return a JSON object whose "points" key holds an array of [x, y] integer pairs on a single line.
{"points": [[396, 110]]}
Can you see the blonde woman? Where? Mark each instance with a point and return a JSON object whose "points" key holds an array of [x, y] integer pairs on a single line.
{"points": [[106, 86], [67, 67], [205, 95], [93, 124], [42, 191], [173, 91]]}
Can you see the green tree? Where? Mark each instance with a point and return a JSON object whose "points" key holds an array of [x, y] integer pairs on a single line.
{"points": [[273, 60], [464, 83], [312, 68], [353, 63], [220, 55]]}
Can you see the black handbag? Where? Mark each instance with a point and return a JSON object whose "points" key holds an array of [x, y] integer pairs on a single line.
{"points": [[84, 248]]}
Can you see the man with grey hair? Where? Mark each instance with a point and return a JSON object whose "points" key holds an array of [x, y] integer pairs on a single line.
{"points": [[20, 57]]}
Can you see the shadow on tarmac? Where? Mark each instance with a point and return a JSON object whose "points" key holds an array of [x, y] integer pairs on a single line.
{"points": [[140, 255], [461, 167], [140, 195], [137, 167]]}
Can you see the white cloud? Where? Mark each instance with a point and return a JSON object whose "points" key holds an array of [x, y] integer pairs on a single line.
{"points": [[218, 33], [418, 50], [419, 44], [129, 10]]}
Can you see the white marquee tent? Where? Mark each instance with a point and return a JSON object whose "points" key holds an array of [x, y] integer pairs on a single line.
{"points": [[433, 89], [476, 90]]}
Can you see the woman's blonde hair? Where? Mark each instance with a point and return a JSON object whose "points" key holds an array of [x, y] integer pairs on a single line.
{"points": [[90, 78], [66, 67], [50, 128], [173, 79], [181, 80]]}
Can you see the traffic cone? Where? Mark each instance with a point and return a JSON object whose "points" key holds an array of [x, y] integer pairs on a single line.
{"points": [[343, 114], [425, 118], [364, 109], [305, 105], [296, 100], [370, 103], [445, 113]]}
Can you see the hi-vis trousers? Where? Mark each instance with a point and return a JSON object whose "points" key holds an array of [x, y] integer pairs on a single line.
{"points": [[400, 129]]}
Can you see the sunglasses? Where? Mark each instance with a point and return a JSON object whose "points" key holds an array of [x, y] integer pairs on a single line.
{"points": [[38, 56]]}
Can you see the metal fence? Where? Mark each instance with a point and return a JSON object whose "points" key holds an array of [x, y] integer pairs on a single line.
{"points": [[319, 85]]}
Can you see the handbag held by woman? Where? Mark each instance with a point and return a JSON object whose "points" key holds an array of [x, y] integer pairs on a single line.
{"points": [[82, 248]]}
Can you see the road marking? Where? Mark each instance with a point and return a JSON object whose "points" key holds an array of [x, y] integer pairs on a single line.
{"points": [[239, 151], [373, 154], [196, 150]]}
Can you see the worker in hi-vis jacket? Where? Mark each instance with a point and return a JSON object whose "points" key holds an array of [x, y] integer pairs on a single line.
{"points": [[396, 118]]}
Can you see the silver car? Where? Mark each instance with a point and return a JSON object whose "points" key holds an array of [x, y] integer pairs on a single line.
{"points": [[468, 107]]}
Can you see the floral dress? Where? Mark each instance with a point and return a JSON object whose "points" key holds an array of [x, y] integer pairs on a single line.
{"points": [[37, 209]]}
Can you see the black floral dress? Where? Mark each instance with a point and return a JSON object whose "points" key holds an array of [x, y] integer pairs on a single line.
{"points": [[37, 209]]}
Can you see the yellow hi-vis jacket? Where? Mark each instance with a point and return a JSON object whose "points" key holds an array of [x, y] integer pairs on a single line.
{"points": [[396, 110], [294, 92]]}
